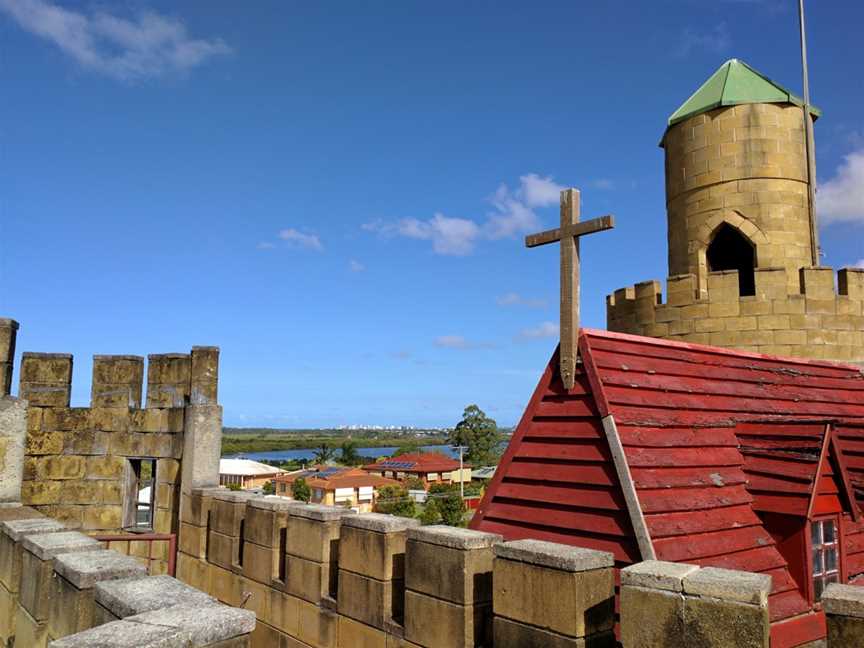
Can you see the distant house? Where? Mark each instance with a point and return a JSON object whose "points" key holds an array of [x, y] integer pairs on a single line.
{"points": [[247, 474], [337, 486], [431, 467]]}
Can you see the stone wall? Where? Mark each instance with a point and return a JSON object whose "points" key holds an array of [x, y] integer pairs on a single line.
{"points": [[79, 462], [816, 319], [63, 589], [323, 577]]}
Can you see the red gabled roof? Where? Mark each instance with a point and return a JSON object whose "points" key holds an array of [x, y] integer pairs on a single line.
{"points": [[677, 408], [417, 462]]}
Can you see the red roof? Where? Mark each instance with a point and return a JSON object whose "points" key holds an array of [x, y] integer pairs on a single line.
{"points": [[691, 421], [416, 462], [333, 477]]}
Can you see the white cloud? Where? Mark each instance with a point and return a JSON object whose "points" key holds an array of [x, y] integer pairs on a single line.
{"points": [[544, 330], [265, 245], [460, 343], [512, 214], [515, 299], [841, 199], [860, 264], [149, 45], [449, 236], [356, 266], [713, 41], [539, 192], [299, 239], [603, 183], [451, 342]]}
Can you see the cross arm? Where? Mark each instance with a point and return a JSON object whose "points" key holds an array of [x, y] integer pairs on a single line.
{"points": [[577, 229]]}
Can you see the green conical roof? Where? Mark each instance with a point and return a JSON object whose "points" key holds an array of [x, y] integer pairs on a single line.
{"points": [[735, 83]]}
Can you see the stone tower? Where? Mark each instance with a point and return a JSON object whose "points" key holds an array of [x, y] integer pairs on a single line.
{"points": [[741, 268]]}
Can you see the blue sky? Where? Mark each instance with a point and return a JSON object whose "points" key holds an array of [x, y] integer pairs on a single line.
{"points": [[336, 193]]}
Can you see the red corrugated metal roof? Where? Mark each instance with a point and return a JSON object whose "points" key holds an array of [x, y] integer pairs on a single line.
{"points": [[683, 413]]}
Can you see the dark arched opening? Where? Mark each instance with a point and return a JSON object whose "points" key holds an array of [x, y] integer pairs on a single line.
{"points": [[731, 250]]}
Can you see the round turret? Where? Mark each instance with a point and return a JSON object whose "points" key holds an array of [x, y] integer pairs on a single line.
{"points": [[741, 267], [736, 179]]}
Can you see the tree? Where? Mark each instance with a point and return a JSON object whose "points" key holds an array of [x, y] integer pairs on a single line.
{"points": [[394, 500], [324, 453], [415, 483], [444, 505], [300, 490], [412, 447], [479, 434], [348, 454], [269, 488], [234, 487]]}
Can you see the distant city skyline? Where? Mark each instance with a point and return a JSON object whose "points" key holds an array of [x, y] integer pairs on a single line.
{"points": [[336, 196]]}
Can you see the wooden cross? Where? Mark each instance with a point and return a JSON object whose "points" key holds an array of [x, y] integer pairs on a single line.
{"points": [[568, 235]]}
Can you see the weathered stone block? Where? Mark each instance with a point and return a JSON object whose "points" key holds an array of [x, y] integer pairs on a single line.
{"points": [[28, 631], [228, 510], [318, 627], [374, 602], [512, 634], [260, 563], [202, 440], [434, 623], [568, 590], [11, 533], [13, 434], [130, 596], [725, 608], [223, 550], [450, 563], [844, 611], [311, 580], [37, 562], [284, 612], [313, 532], [357, 635], [374, 545]]}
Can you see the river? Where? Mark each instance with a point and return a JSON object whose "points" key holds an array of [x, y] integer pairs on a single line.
{"points": [[306, 454]]}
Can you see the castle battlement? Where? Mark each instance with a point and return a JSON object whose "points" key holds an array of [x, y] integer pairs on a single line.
{"points": [[819, 319]]}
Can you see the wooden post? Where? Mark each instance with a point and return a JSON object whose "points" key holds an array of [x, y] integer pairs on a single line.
{"points": [[568, 235]]}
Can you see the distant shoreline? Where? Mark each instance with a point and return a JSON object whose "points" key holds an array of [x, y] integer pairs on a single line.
{"points": [[252, 440]]}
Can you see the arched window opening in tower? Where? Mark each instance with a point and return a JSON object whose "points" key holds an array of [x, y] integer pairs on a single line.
{"points": [[731, 250]]}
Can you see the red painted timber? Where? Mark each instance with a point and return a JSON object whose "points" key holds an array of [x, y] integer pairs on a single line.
{"points": [[685, 523], [691, 499], [683, 477], [625, 553], [715, 543], [612, 523], [799, 630], [601, 474]]}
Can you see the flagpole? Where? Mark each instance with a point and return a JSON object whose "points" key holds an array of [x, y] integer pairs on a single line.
{"points": [[809, 143]]}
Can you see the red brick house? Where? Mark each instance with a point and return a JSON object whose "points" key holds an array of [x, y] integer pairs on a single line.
{"points": [[688, 453], [431, 467]]}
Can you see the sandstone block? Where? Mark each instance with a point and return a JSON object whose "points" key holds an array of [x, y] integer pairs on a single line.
{"points": [[512, 634], [433, 623], [357, 635], [374, 602], [130, 596], [373, 545], [311, 580], [318, 627], [568, 590]]}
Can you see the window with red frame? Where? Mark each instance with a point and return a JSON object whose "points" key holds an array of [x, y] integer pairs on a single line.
{"points": [[826, 554]]}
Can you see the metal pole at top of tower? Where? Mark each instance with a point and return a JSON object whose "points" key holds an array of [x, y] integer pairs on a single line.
{"points": [[809, 143]]}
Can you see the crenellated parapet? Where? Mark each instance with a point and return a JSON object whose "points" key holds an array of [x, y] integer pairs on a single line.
{"points": [[121, 463], [816, 318]]}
